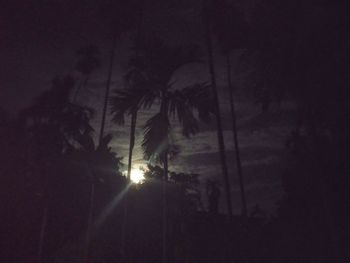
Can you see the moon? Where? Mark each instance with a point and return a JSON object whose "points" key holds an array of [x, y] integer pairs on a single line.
{"points": [[136, 176]]}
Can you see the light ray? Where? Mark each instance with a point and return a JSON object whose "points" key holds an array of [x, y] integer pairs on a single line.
{"points": [[110, 207]]}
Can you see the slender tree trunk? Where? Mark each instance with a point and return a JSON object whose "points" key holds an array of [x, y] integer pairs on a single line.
{"points": [[164, 113], [108, 85], [324, 188], [42, 232], [87, 238], [134, 112], [44, 219], [164, 210], [235, 137], [132, 140], [218, 117], [81, 86], [131, 147]]}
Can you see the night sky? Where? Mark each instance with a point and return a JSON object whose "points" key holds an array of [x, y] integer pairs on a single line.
{"points": [[38, 41], [68, 192]]}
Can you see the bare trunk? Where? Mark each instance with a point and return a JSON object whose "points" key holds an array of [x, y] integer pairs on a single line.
{"points": [[89, 223], [326, 193], [164, 112], [132, 140], [235, 137], [42, 232], [164, 210], [44, 220], [108, 85], [81, 86], [218, 118], [131, 148]]}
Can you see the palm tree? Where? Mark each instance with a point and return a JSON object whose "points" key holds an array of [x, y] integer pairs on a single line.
{"points": [[88, 61], [127, 17], [127, 102], [209, 44], [96, 161], [232, 33], [179, 103], [152, 72], [121, 16], [53, 125], [235, 137], [108, 84]]}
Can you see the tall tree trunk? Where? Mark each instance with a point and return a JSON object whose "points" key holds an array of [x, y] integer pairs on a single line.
{"points": [[164, 210], [42, 232], [164, 112], [322, 171], [134, 112], [86, 244], [44, 219], [132, 140], [125, 215], [235, 137], [218, 116], [108, 85], [131, 146], [81, 86]]}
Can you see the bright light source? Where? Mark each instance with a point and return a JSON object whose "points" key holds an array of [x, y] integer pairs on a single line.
{"points": [[136, 176]]}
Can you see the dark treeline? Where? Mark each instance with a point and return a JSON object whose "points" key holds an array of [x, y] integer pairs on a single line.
{"points": [[66, 198]]}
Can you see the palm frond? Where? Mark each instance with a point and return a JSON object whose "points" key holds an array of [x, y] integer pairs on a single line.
{"points": [[122, 102], [155, 141], [86, 141], [180, 108], [54, 108], [199, 97], [126, 101], [103, 146], [182, 104], [138, 92]]}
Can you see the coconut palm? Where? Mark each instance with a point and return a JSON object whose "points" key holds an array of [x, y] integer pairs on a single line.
{"points": [[177, 103], [232, 33], [129, 18], [55, 119], [99, 162], [53, 125], [88, 61], [127, 102], [121, 16], [151, 73], [208, 41], [132, 80]]}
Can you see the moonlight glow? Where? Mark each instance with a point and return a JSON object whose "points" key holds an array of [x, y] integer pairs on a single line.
{"points": [[136, 176]]}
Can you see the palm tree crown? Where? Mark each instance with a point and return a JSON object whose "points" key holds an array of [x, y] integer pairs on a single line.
{"points": [[150, 77]]}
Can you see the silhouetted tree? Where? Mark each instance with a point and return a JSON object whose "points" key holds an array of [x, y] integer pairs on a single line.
{"points": [[88, 61], [232, 33], [303, 47], [121, 16], [213, 193], [208, 41], [100, 163], [53, 124], [274, 38], [154, 68], [183, 201]]}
